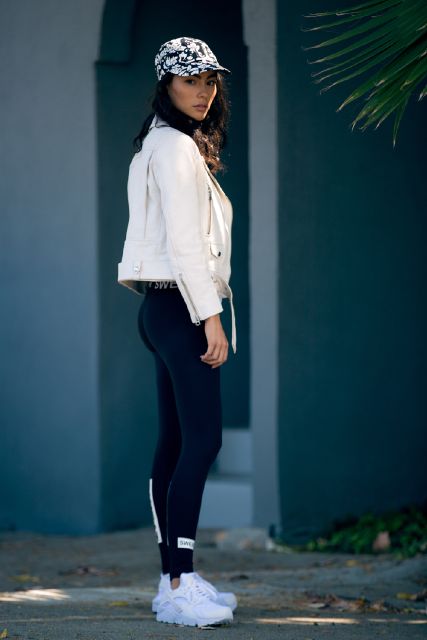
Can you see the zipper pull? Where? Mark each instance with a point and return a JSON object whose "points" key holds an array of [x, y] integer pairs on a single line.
{"points": [[197, 317], [210, 208]]}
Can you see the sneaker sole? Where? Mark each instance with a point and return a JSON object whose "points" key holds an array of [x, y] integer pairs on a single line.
{"points": [[179, 618], [233, 607]]}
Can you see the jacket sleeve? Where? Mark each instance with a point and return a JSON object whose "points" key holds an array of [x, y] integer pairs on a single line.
{"points": [[174, 168]]}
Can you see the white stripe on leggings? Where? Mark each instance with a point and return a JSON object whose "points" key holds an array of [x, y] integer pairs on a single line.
{"points": [[153, 510]]}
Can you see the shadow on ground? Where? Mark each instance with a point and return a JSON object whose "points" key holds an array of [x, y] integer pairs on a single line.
{"points": [[101, 587]]}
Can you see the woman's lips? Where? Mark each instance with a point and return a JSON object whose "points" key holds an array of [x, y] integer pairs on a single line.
{"points": [[200, 107]]}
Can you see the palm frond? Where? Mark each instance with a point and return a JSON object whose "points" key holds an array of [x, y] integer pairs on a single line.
{"points": [[423, 93], [384, 38]]}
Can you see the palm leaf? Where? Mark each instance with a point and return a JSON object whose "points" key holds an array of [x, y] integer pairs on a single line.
{"points": [[399, 113], [387, 41], [353, 10], [374, 38], [423, 93], [386, 44]]}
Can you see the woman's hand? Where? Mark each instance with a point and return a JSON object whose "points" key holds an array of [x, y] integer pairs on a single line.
{"points": [[217, 351]]}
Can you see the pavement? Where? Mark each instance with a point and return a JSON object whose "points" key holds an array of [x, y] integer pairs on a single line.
{"points": [[100, 587]]}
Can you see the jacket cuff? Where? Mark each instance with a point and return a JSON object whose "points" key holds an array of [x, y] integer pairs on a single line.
{"points": [[210, 309], [207, 302]]}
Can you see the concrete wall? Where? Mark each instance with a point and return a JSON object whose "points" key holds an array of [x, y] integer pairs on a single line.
{"points": [[353, 309], [260, 37], [49, 471]]}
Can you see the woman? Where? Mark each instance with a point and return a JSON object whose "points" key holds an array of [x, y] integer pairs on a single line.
{"points": [[177, 253]]}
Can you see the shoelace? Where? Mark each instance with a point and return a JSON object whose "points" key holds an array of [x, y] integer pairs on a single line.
{"points": [[198, 593], [207, 585]]}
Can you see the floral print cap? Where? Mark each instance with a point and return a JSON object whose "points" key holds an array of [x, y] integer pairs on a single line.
{"points": [[185, 56]]}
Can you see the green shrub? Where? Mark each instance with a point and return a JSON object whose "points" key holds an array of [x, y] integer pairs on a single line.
{"points": [[405, 530]]}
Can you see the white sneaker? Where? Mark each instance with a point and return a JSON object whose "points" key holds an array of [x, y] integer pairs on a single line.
{"points": [[191, 604], [164, 586], [225, 598]]}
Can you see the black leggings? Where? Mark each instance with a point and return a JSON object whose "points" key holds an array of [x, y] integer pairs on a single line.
{"points": [[190, 423]]}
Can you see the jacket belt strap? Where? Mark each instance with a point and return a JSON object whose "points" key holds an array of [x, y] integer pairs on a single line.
{"points": [[233, 322]]}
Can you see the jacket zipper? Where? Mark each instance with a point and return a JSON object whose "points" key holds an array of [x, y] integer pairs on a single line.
{"points": [[210, 208], [191, 300], [146, 195]]}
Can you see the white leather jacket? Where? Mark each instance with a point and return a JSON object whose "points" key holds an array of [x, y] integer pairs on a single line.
{"points": [[179, 224]]}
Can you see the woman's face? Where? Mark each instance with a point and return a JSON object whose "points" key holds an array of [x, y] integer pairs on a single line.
{"points": [[193, 95]]}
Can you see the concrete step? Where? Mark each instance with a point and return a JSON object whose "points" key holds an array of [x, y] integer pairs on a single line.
{"points": [[227, 501]]}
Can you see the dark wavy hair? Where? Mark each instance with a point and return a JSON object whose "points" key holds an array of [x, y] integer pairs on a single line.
{"points": [[210, 134]]}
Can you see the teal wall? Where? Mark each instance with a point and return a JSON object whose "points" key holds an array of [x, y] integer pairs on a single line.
{"points": [[131, 35], [49, 471], [353, 310]]}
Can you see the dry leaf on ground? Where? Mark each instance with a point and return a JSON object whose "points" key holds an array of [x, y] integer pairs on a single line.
{"points": [[417, 597], [382, 541], [89, 570], [347, 604], [25, 577]]}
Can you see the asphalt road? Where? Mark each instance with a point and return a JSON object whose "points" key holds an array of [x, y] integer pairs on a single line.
{"points": [[100, 588]]}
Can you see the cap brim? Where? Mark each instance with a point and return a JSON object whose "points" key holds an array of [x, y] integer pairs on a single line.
{"points": [[202, 68]]}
